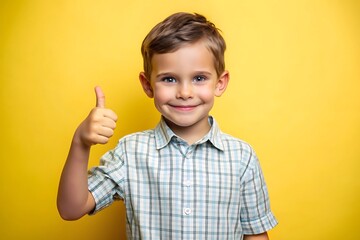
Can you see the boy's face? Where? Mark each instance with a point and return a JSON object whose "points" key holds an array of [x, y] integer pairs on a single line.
{"points": [[183, 84]]}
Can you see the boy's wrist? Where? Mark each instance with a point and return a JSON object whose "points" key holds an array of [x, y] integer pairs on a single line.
{"points": [[79, 142]]}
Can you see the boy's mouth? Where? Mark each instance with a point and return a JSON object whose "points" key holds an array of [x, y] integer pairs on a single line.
{"points": [[184, 107]]}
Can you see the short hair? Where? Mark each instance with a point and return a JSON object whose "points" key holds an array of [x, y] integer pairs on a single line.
{"points": [[178, 30]]}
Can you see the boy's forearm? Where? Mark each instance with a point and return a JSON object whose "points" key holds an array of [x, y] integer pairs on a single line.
{"points": [[73, 194], [262, 236]]}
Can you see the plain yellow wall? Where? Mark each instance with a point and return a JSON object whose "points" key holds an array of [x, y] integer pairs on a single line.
{"points": [[293, 95]]}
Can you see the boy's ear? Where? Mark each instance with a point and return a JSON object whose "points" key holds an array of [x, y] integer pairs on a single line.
{"points": [[145, 83], [222, 83]]}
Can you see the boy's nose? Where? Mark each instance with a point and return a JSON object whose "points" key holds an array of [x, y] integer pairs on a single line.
{"points": [[185, 91]]}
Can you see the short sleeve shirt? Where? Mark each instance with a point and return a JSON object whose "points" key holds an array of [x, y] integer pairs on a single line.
{"points": [[212, 189]]}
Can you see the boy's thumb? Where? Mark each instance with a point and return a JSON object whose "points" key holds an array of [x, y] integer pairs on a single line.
{"points": [[100, 97]]}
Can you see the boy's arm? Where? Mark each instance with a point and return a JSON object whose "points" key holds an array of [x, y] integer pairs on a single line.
{"points": [[262, 236], [74, 200]]}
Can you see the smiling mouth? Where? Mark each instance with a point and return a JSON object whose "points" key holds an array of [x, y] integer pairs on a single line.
{"points": [[184, 108]]}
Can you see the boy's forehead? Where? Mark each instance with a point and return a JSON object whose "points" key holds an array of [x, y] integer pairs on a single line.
{"points": [[197, 52]]}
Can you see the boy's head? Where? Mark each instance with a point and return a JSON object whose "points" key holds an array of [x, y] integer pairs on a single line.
{"points": [[178, 30]]}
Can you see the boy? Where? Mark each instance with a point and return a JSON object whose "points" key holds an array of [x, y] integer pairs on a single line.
{"points": [[185, 179]]}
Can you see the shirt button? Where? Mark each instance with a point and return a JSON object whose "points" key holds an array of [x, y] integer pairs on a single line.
{"points": [[187, 183], [187, 211]]}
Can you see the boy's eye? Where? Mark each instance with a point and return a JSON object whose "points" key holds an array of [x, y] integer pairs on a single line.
{"points": [[169, 79], [199, 78]]}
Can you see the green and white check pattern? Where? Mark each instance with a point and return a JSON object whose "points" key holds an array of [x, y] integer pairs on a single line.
{"points": [[213, 189]]}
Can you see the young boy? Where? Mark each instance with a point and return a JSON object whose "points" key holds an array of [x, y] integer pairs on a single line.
{"points": [[185, 179]]}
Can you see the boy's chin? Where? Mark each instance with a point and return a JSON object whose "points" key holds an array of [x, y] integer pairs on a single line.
{"points": [[181, 123], [174, 123]]}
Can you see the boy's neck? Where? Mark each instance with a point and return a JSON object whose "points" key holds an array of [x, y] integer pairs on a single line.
{"points": [[192, 133]]}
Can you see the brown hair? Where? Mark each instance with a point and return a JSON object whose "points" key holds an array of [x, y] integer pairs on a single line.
{"points": [[179, 29]]}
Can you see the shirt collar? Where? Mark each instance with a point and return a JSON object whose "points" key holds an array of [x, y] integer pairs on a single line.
{"points": [[163, 135]]}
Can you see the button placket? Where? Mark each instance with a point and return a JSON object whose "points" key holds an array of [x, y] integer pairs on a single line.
{"points": [[187, 182]]}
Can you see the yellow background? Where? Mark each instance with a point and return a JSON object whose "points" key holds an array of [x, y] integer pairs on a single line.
{"points": [[293, 95]]}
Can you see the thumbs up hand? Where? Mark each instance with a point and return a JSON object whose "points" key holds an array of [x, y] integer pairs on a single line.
{"points": [[99, 125], [100, 97]]}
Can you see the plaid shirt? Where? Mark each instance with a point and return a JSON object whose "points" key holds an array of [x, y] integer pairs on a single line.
{"points": [[213, 189]]}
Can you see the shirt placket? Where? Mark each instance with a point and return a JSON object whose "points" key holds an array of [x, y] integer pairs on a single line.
{"points": [[188, 210]]}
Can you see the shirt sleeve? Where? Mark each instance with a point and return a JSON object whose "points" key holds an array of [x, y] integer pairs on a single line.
{"points": [[106, 181], [256, 215]]}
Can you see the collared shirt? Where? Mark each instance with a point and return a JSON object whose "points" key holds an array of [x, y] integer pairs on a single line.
{"points": [[212, 189]]}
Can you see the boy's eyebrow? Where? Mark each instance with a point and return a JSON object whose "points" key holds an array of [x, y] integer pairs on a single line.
{"points": [[164, 74], [203, 73], [173, 74]]}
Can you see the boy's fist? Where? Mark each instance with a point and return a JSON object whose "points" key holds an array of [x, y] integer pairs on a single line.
{"points": [[99, 125]]}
